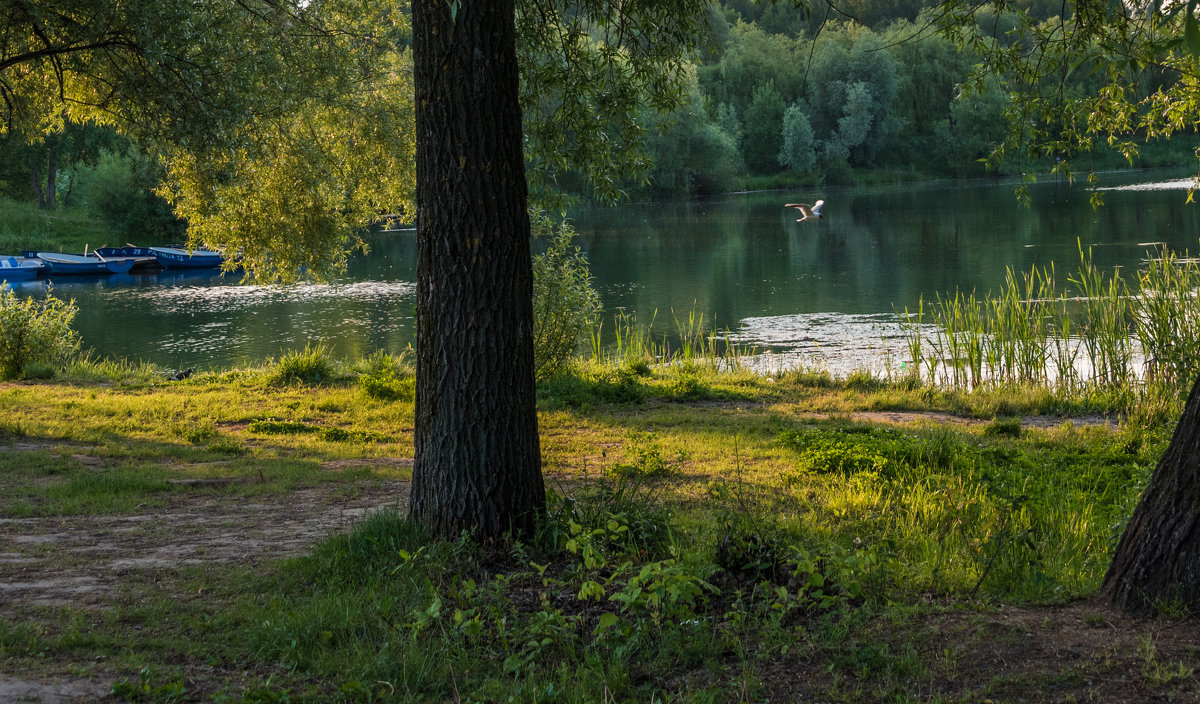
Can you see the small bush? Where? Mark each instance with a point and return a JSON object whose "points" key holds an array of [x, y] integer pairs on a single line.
{"points": [[311, 366], [564, 302], [35, 334]]}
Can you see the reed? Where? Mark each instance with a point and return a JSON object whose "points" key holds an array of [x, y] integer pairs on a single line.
{"points": [[1102, 331], [695, 343]]}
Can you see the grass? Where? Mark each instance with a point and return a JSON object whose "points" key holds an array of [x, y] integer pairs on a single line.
{"points": [[710, 533], [25, 226]]}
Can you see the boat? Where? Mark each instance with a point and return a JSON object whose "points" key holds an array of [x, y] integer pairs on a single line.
{"points": [[180, 258], [20, 268], [142, 257], [74, 264]]}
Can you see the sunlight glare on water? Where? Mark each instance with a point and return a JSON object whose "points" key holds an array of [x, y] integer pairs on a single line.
{"points": [[837, 343]]}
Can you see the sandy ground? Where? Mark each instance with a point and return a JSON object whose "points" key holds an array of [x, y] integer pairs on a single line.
{"points": [[80, 560]]}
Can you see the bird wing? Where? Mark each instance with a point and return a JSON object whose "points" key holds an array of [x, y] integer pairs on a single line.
{"points": [[805, 210], [816, 209]]}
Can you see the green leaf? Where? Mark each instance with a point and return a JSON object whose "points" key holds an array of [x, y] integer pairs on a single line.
{"points": [[1191, 30], [607, 621]]}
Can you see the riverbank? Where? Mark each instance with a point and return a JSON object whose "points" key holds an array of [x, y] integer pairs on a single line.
{"points": [[25, 226], [712, 536]]}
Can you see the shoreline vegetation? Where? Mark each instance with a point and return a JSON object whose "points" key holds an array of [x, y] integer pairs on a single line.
{"points": [[712, 531]]}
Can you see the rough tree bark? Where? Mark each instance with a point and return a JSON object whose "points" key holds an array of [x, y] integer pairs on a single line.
{"points": [[1157, 560], [477, 464]]}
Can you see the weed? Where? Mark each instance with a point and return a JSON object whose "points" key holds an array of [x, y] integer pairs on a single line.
{"points": [[35, 332], [644, 458], [271, 426], [310, 366]]}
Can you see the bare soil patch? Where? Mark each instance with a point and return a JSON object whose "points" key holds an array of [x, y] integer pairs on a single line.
{"points": [[80, 560]]}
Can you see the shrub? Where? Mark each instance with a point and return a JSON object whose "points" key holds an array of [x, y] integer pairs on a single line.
{"points": [[564, 302], [384, 379], [35, 334], [311, 366]]}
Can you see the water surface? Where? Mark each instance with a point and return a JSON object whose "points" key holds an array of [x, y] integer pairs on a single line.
{"points": [[818, 292]]}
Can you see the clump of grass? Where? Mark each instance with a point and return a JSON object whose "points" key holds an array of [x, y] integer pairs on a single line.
{"points": [[387, 378], [644, 458], [1009, 427], [271, 426], [312, 365], [343, 435]]}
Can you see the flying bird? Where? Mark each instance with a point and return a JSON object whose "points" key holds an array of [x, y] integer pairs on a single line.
{"points": [[807, 211]]}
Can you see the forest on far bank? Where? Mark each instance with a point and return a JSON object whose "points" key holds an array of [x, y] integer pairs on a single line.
{"points": [[782, 98], [777, 97]]}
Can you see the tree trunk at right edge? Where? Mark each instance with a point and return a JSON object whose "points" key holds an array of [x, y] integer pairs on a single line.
{"points": [[1158, 558], [477, 458]]}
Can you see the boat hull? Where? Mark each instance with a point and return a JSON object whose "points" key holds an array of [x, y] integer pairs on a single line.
{"points": [[142, 257], [72, 265], [175, 258], [19, 269]]}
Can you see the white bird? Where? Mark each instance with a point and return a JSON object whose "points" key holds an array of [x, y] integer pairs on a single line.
{"points": [[807, 211]]}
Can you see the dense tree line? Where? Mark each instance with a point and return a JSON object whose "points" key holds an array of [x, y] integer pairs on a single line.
{"points": [[784, 95]]}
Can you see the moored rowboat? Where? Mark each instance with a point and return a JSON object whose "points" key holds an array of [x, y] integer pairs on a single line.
{"points": [[20, 268], [179, 258], [76, 265]]}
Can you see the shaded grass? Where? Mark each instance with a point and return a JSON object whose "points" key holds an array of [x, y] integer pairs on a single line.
{"points": [[693, 538], [25, 226]]}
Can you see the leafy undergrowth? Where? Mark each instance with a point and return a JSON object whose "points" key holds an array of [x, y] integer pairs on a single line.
{"points": [[710, 537]]}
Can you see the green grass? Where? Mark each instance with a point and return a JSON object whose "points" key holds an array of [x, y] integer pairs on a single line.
{"points": [[705, 528], [25, 226]]}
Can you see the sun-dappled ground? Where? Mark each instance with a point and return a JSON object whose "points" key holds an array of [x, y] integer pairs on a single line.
{"points": [[235, 538]]}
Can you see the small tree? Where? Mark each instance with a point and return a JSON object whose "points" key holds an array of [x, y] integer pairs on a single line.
{"points": [[763, 129], [564, 302], [797, 152]]}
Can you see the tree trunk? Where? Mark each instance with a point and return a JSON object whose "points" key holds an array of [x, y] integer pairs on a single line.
{"points": [[478, 463], [51, 173], [1157, 561], [35, 178]]}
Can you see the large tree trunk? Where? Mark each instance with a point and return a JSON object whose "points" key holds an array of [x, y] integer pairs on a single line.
{"points": [[1158, 559], [478, 463]]}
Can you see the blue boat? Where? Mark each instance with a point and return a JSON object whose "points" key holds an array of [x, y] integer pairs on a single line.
{"points": [[20, 268], [179, 258], [74, 264], [142, 257]]}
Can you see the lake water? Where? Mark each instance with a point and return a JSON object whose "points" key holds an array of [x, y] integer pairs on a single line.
{"points": [[820, 292]]}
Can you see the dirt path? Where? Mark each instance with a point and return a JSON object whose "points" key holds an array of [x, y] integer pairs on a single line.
{"points": [[81, 560]]}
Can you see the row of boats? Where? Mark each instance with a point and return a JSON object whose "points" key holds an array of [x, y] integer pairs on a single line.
{"points": [[105, 260]]}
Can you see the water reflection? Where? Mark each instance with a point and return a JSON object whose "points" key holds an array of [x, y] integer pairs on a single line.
{"points": [[816, 292]]}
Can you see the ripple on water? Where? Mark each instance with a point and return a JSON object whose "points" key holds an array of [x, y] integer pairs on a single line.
{"points": [[839, 343], [1179, 184], [225, 298]]}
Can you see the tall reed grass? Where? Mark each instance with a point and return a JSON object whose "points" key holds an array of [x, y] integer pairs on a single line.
{"points": [[695, 342], [1101, 329]]}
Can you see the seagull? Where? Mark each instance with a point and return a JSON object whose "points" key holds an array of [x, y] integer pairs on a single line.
{"points": [[807, 211]]}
